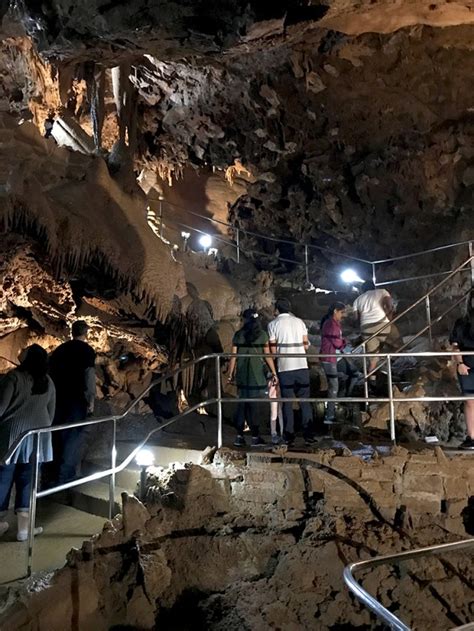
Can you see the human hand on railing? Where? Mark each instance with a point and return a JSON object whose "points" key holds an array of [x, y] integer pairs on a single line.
{"points": [[463, 370]]}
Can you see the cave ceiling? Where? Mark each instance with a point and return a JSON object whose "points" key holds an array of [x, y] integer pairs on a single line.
{"points": [[353, 118]]}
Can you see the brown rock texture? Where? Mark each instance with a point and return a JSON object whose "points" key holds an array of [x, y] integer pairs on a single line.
{"points": [[262, 545]]}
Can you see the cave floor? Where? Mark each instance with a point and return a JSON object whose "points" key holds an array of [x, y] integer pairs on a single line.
{"points": [[64, 528]]}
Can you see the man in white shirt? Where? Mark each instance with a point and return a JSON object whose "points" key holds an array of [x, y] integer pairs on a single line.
{"points": [[288, 334], [374, 309]]}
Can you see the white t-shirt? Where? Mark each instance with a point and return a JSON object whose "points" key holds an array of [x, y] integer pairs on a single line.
{"points": [[287, 332], [369, 306]]}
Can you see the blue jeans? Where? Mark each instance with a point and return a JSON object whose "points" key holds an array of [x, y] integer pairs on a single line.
{"points": [[295, 383], [19, 475]]}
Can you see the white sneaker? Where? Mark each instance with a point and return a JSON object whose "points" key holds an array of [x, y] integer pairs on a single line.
{"points": [[3, 527], [22, 535]]}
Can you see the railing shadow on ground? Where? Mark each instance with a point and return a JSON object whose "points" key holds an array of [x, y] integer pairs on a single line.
{"points": [[218, 401]]}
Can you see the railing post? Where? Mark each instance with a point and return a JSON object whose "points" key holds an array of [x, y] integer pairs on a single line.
{"points": [[366, 382], [32, 507], [428, 318], [306, 269], [374, 276], [113, 463], [471, 253], [219, 401], [237, 244], [391, 403]]}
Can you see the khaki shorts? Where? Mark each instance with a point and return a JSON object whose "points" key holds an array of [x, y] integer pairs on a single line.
{"points": [[367, 331]]}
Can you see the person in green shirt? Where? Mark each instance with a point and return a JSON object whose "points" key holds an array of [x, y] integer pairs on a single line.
{"points": [[250, 374]]}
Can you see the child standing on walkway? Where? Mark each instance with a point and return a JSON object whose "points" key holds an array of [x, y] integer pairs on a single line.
{"points": [[276, 413]]}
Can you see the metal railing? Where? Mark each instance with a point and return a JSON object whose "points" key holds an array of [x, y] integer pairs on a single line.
{"points": [[307, 247], [219, 400], [382, 613], [426, 298]]}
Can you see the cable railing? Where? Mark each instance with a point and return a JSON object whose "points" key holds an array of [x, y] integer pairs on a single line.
{"points": [[307, 247], [382, 613], [219, 400]]}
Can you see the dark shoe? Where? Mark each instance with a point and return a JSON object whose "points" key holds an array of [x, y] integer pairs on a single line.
{"points": [[257, 441], [288, 439], [239, 441], [329, 421], [467, 444], [309, 439]]}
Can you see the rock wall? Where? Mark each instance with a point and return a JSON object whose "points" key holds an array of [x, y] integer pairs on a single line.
{"points": [[262, 545]]}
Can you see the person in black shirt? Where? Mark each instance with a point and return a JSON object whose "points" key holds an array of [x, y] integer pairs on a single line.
{"points": [[72, 368], [462, 339]]}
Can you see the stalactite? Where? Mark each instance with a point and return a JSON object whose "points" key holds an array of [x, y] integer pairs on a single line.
{"points": [[95, 78]]}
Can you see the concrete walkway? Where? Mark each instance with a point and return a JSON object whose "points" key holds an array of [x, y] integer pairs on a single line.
{"points": [[64, 528]]}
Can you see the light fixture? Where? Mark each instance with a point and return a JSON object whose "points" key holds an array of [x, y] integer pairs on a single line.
{"points": [[145, 458], [185, 235], [212, 252], [350, 276], [205, 241]]}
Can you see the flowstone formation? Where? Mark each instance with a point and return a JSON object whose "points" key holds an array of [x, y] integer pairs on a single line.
{"points": [[262, 545]]}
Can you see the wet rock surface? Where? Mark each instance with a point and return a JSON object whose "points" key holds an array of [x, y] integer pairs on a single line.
{"points": [[262, 545]]}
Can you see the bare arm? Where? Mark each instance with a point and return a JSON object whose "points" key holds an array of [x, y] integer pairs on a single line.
{"points": [[232, 364], [51, 406], [269, 360], [387, 306], [90, 389], [305, 342], [461, 367]]}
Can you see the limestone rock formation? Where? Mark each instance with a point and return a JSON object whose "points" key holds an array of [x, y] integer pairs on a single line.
{"points": [[263, 544]]}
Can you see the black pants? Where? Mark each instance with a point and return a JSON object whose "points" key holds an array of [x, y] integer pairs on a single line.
{"points": [[69, 444], [295, 383], [246, 412]]}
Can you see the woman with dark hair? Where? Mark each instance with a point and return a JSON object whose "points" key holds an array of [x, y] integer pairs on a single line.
{"points": [[331, 342], [250, 373], [27, 401], [462, 339]]}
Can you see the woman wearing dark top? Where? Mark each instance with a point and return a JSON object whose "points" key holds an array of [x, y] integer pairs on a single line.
{"points": [[331, 342], [462, 339], [27, 401], [250, 374]]}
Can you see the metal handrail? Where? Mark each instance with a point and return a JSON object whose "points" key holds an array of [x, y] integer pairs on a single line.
{"points": [[307, 247], [104, 419], [370, 601], [262, 236], [428, 294], [316, 247], [219, 400]]}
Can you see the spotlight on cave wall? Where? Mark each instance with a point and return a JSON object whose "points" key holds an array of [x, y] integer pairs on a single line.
{"points": [[350, 276], [205, 241]]}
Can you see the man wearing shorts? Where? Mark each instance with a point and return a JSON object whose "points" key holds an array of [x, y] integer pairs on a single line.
{"points": [[374, 309]]}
